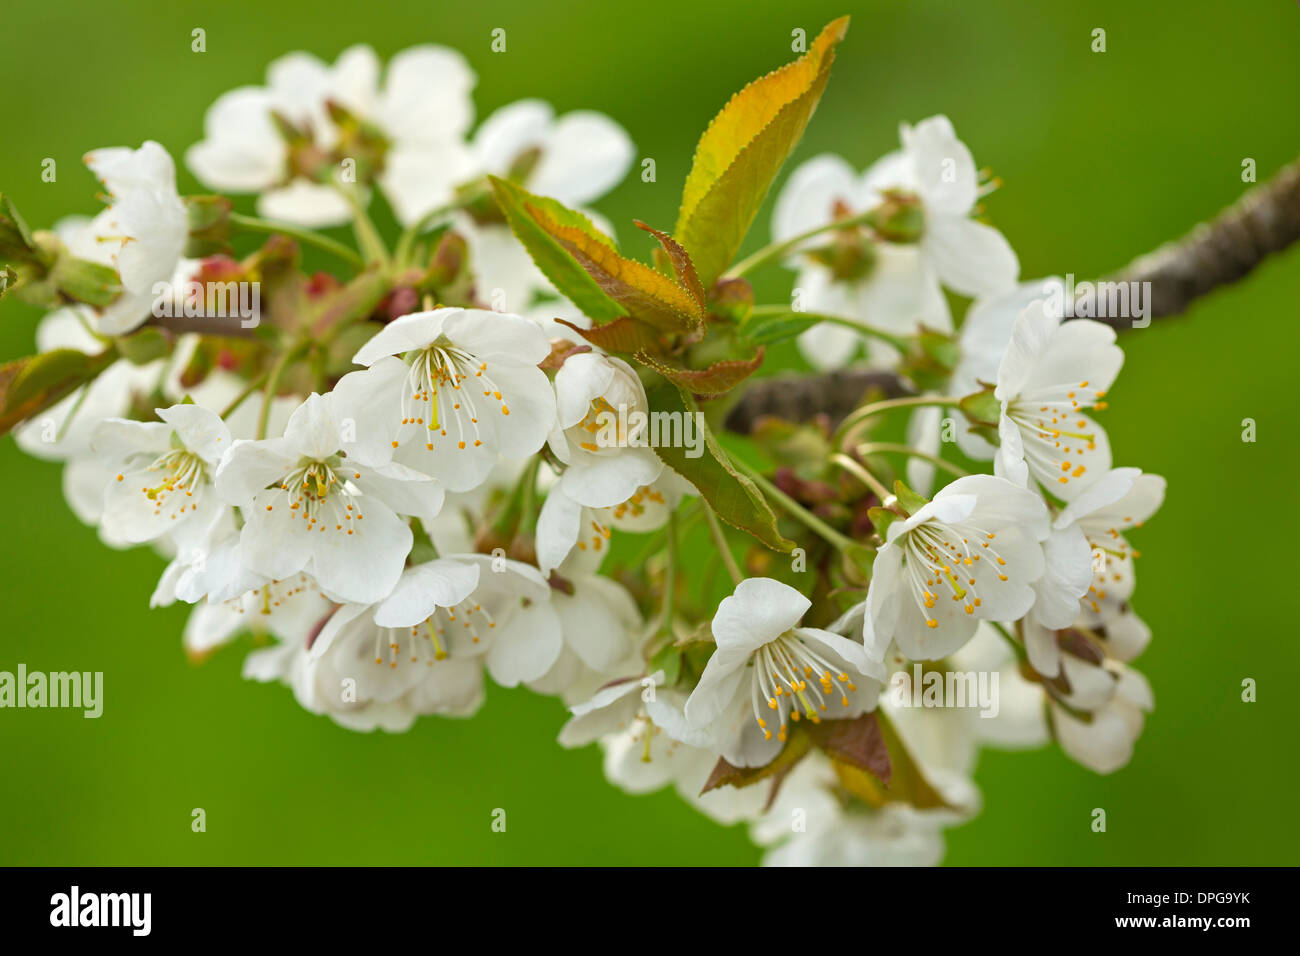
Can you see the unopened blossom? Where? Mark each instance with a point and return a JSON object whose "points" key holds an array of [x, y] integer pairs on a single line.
{"points": [[607, 460], [970, 554], [1052, 373], [419, 115], [1116, 502], [167, 467], [308, 508], [768, 671], [143, 232], [449, 392]]}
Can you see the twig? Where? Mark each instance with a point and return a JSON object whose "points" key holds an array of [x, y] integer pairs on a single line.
{"points": [[1263, 221]]}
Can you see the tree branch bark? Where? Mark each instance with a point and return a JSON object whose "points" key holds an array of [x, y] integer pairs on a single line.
{"points": [[1265, 220]]}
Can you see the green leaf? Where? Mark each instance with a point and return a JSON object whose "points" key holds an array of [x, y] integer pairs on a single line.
{"points": [[16, 240], [668, 660], [570, 278], [734, 498], [84, 281], [30, 385], [741, 152], [909, 499], [718, 379], [982, 408], [770, 329], [881, 519]]}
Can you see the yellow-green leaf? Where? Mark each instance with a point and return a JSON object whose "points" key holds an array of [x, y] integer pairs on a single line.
{"points": [[570, 278], [648, 296], [741, 152], [733, 497], [30, 385]]}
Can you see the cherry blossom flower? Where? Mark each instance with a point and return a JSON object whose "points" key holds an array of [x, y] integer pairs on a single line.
{"points": [[167, 467], [595, 396], [465, 390], [308, 508], [1117, 501], [971, 554], [143, 232], [1051, 373], [758, 678], [420, 113]]}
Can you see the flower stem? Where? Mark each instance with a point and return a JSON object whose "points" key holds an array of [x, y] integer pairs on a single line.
{"points": [[273, 382], [670, 575], [406, 243], [777, 250], [528, 503], [368, 238], [897, 341], [858, 471], [720, 541], [884, 446], [253, 224], [249, 389], [796, 510], [858, 416]]}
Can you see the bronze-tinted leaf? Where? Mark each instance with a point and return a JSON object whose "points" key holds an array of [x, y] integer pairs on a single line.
{"points": [[717, 379]]}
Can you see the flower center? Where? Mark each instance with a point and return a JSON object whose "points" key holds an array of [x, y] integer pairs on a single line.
{"points": [[601, 428], [1054, 432], [941, 558], [441, 393], [432, 639], [317, 495], [780, 683], [182, 474], [635, 506]]}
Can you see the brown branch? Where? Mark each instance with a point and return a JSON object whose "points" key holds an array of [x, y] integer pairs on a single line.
{"points": [[1263, 221], [798, 398]]}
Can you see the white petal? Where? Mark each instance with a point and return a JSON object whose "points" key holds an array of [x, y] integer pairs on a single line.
{"points": [[304, 203], [443, 582], [970, 257], [760, 610], [807, 200], [942, 165], [586, 154], [201, 429]]}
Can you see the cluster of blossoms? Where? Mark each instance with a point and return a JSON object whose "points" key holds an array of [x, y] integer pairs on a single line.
{"points": [[406, 478]]}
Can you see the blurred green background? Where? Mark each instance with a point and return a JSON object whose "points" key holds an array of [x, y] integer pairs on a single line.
{"points": [[1104, 156]]}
